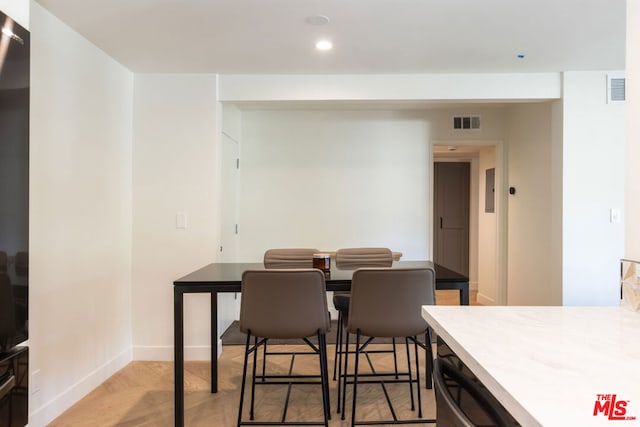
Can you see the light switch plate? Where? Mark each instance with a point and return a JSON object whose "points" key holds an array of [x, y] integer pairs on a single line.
{"points": [[614, 216]]}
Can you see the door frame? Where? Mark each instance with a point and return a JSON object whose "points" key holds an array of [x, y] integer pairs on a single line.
{"points": [[500, 205]]}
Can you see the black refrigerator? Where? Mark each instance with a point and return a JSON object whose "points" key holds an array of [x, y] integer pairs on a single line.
{"points": [[14, 222]]}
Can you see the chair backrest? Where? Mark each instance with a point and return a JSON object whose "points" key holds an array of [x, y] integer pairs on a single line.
{"points": [[479, 407], [289, 258], [284, 303], [352, 258], [387, 302]]}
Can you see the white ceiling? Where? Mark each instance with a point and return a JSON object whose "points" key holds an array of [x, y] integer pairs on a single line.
{"points": [[369, 36]]}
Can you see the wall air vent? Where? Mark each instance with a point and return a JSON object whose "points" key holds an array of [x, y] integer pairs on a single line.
{"points": [[466, 122], [615, 88]]}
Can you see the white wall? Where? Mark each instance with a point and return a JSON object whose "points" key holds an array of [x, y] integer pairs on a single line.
{"points": [[80, 236], [283, 151], [593, 183], [632, 137], [459, 87], [230, 141], [487, 233], [530, 238], [174, 158], [18, 10], [232, 121], [556, 266], [332, 179]]}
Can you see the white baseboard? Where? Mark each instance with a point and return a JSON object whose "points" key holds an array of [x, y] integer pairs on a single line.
{"points": [[50, 410], [485, 300]]}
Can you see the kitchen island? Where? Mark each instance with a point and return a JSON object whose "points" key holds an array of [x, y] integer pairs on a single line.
{"points": [[550, 366]]}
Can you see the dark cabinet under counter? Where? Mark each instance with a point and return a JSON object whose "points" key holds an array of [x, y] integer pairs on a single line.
{"points": [[461, 398], [14, 387]]}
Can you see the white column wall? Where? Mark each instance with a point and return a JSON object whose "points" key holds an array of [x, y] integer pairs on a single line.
{"points": [[593, 183], [487, 233], [80, 217], [557, 168], [174, 158], [632, 137], [530, 238], [229, 149]]}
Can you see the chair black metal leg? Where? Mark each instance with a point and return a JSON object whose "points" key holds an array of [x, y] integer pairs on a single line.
{"points": [[395, 356], [325, 354], [339, 354], [253, 377], [338, 342], [324, 378], [244, 377], [344, 374], [264, 360], [415, 346], [406, 342], [429, 359], [355, 380]]}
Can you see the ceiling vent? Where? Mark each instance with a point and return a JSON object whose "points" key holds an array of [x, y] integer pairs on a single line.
{"points": [[466, 122], [615, 88]]}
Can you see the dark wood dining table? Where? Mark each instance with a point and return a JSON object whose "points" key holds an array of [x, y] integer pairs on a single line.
{"points": [[227, 277]]}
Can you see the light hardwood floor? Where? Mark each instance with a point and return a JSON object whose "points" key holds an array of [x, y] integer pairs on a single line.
{"points": [[141, 394]]}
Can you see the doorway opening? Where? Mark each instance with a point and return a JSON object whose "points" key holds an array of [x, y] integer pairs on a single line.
{"points": [[468, 219]]}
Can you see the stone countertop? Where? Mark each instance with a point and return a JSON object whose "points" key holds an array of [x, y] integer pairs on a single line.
{"points": [[547, 365]]}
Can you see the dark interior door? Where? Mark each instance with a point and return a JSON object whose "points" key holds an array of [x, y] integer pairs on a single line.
{"points": [[451, 215]]}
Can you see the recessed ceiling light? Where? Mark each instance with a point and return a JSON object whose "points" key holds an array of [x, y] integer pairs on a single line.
{"points": [[317, 20], [324, 45]]}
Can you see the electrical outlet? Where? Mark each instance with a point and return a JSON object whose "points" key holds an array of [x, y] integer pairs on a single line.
{"points": [[181, 220]]}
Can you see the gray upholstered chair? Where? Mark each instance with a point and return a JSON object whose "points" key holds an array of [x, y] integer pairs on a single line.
{"points": [[285, 258], [351, 259], [289, 258], [387, 302], [284, 304], [471, 405]]}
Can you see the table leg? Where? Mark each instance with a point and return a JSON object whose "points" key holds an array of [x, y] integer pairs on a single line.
{"points": [[178, 355], [214, 342], [464, 293]]}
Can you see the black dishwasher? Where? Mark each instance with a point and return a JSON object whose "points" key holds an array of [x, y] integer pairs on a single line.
{"points": [[14, 387], [461, 399]]}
